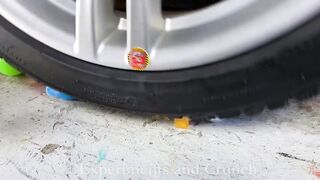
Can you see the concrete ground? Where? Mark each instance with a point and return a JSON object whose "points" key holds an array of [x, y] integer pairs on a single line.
{"points": [[45, 138]]}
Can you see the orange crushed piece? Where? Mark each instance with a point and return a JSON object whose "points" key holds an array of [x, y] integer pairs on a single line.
{"points": [[182, 123], [315, 171]]}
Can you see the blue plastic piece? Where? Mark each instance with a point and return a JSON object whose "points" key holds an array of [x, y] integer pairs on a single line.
{"points": [[102, 155], [58, 94]]}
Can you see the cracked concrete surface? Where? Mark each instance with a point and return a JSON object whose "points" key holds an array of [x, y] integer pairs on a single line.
{"points": [[45, 138]]}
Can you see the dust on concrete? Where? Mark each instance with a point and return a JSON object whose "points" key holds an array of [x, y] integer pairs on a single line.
{"points": [[50, 148], [305, 107], [293, 157], [154, 118], [57, 123]]}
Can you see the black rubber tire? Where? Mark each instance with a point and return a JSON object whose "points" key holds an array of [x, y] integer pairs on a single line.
{"points": [[267, 76], [168, 5], [186, 4]]}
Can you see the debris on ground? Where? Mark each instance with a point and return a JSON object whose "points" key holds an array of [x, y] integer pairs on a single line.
{"points": [[50, 148], [182, 123]]}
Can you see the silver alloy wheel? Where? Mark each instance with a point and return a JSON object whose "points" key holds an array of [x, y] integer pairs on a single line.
{"points": [[92, 31]]}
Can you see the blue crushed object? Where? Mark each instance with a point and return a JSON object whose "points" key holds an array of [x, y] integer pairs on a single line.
{"points": [[58, 94], [102, 155]]}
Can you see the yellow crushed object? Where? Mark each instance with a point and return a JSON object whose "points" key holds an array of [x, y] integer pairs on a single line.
{"points": [[182, 123]]}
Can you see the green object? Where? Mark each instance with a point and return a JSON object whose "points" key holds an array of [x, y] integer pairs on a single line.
{"points": [[7, 69]]}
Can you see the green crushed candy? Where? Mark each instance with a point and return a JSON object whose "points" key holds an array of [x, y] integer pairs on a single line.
{"points": [[7, 69]]}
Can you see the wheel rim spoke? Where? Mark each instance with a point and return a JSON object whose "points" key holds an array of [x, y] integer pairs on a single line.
{"points": [[145, 23], [95, 20]]}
